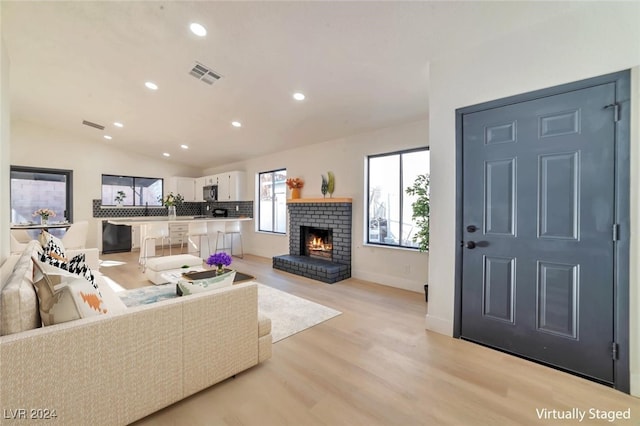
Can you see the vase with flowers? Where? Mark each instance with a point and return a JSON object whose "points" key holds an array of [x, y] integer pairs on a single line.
{"points": [[295, 184], [170, 202], [219, 260], [44, 214]]}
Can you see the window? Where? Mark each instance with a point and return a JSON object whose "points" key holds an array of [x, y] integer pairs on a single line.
{"points": [[389, 208], [272, 207], [138, 191], [34, 188]]}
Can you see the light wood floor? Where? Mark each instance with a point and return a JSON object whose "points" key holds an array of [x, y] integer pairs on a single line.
{"points": [[376, 365]]}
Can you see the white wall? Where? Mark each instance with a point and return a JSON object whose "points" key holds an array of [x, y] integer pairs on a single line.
{"points": [[345, 157], [4, 151], [36, 146], [601, 38]]}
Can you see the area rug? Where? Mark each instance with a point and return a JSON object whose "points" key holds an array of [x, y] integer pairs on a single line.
{"points": [[289, 314]]}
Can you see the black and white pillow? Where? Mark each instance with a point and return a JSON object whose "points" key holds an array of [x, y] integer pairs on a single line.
{"points": [[77, 265], [53, 253], [52, 250]]}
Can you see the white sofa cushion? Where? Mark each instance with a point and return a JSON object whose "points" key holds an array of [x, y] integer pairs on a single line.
{"points": [[157, 266], [111, 299], [18, 300], [176, 261]]}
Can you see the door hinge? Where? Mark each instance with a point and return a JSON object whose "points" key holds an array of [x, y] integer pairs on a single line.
{"points": [[616, 111], [614, 350], [616, 232]]}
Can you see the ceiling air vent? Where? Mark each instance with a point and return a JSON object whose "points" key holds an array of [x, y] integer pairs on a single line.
{"points": [[90, 124], [204, 73]]}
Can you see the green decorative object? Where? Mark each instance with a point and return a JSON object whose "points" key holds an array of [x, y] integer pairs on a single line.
{"points": [[420, 189], [331, 185], [325, 186]]}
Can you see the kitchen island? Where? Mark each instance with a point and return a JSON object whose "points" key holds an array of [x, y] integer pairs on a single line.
{"points": [[181, 225]]}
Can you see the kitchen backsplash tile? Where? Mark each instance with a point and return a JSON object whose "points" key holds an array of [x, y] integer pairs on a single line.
{"points": [[244, 209]]}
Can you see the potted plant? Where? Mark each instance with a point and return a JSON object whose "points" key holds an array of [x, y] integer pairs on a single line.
{"points": [[420, 189], [120, 196]]}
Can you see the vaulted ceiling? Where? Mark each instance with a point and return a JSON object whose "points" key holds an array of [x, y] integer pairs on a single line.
{"points": [[362, 66]]}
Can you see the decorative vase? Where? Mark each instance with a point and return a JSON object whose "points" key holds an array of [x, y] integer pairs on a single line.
{"points": [[295, 193], [172, 212], [44, 220], [220, 269]]}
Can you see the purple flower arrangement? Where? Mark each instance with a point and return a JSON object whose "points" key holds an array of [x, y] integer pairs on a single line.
{"points": [[219, 259]]}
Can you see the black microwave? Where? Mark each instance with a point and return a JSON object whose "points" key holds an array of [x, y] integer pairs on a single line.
{"points": [[210, 193]]}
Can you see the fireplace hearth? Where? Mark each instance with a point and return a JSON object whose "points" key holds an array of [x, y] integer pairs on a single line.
{"points": [[319, 240]]}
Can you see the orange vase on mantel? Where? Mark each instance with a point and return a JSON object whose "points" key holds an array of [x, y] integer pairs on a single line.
{"points": [[295, 193]]}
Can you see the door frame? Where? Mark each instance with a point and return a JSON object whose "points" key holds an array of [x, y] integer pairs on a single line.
{"points": [[622, 128]]}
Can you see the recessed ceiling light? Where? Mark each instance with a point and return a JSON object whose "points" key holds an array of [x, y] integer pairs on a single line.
{"points": [[198, 29], [184, 146], [166, 154], [298, 96], [151, 85], [107, 137], [118, 124], [236, 124]]}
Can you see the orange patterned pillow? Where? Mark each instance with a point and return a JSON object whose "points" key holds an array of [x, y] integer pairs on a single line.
{"points": [[64, 296]]}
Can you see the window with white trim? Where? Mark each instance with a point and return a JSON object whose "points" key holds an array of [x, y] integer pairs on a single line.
{"points": [[389, 207], [272, 204]]}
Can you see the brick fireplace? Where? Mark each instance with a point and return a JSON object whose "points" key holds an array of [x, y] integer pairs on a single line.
{"points": [[319, 239]]}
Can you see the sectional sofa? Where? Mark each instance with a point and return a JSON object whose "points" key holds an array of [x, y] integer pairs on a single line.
{"points": [[118, 367]]}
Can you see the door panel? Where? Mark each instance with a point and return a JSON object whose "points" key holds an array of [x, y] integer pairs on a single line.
{"points": [[500, 200], [538, 183], [558, 196]]}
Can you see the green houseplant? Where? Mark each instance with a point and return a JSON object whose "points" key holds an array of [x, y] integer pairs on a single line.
{"points": [[120, 198], [420, 189]]}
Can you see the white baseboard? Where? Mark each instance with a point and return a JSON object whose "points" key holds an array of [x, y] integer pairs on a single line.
{"points": [[439, 325], [388, 280]]}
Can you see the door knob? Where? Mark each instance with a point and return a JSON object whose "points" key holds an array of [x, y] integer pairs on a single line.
{"points": [[470, 244], [472, 228]]}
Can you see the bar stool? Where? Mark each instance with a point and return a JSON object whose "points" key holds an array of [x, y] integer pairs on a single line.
{"points": [[196, 229], [153, 231], [231, 228]]}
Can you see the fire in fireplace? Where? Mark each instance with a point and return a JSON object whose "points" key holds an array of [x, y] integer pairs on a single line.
{"points": [[316, 242]]}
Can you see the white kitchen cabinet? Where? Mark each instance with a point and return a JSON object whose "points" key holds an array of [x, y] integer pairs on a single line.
{"points": [[184, 186], [210, 180], [230, 186], [135, 237], [177, 232], [200, 183], [223, 187]]}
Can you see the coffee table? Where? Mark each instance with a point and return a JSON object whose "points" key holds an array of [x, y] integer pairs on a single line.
{"points": [[199, 273], [174, 275]]}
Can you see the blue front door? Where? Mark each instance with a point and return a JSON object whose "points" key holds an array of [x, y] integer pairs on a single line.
{"points": [[538, 198]]}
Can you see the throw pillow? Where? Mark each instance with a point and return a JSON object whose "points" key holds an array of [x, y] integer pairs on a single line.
{"points": [[185, 287], [76, 265], [64, 296], [52, 246]]}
